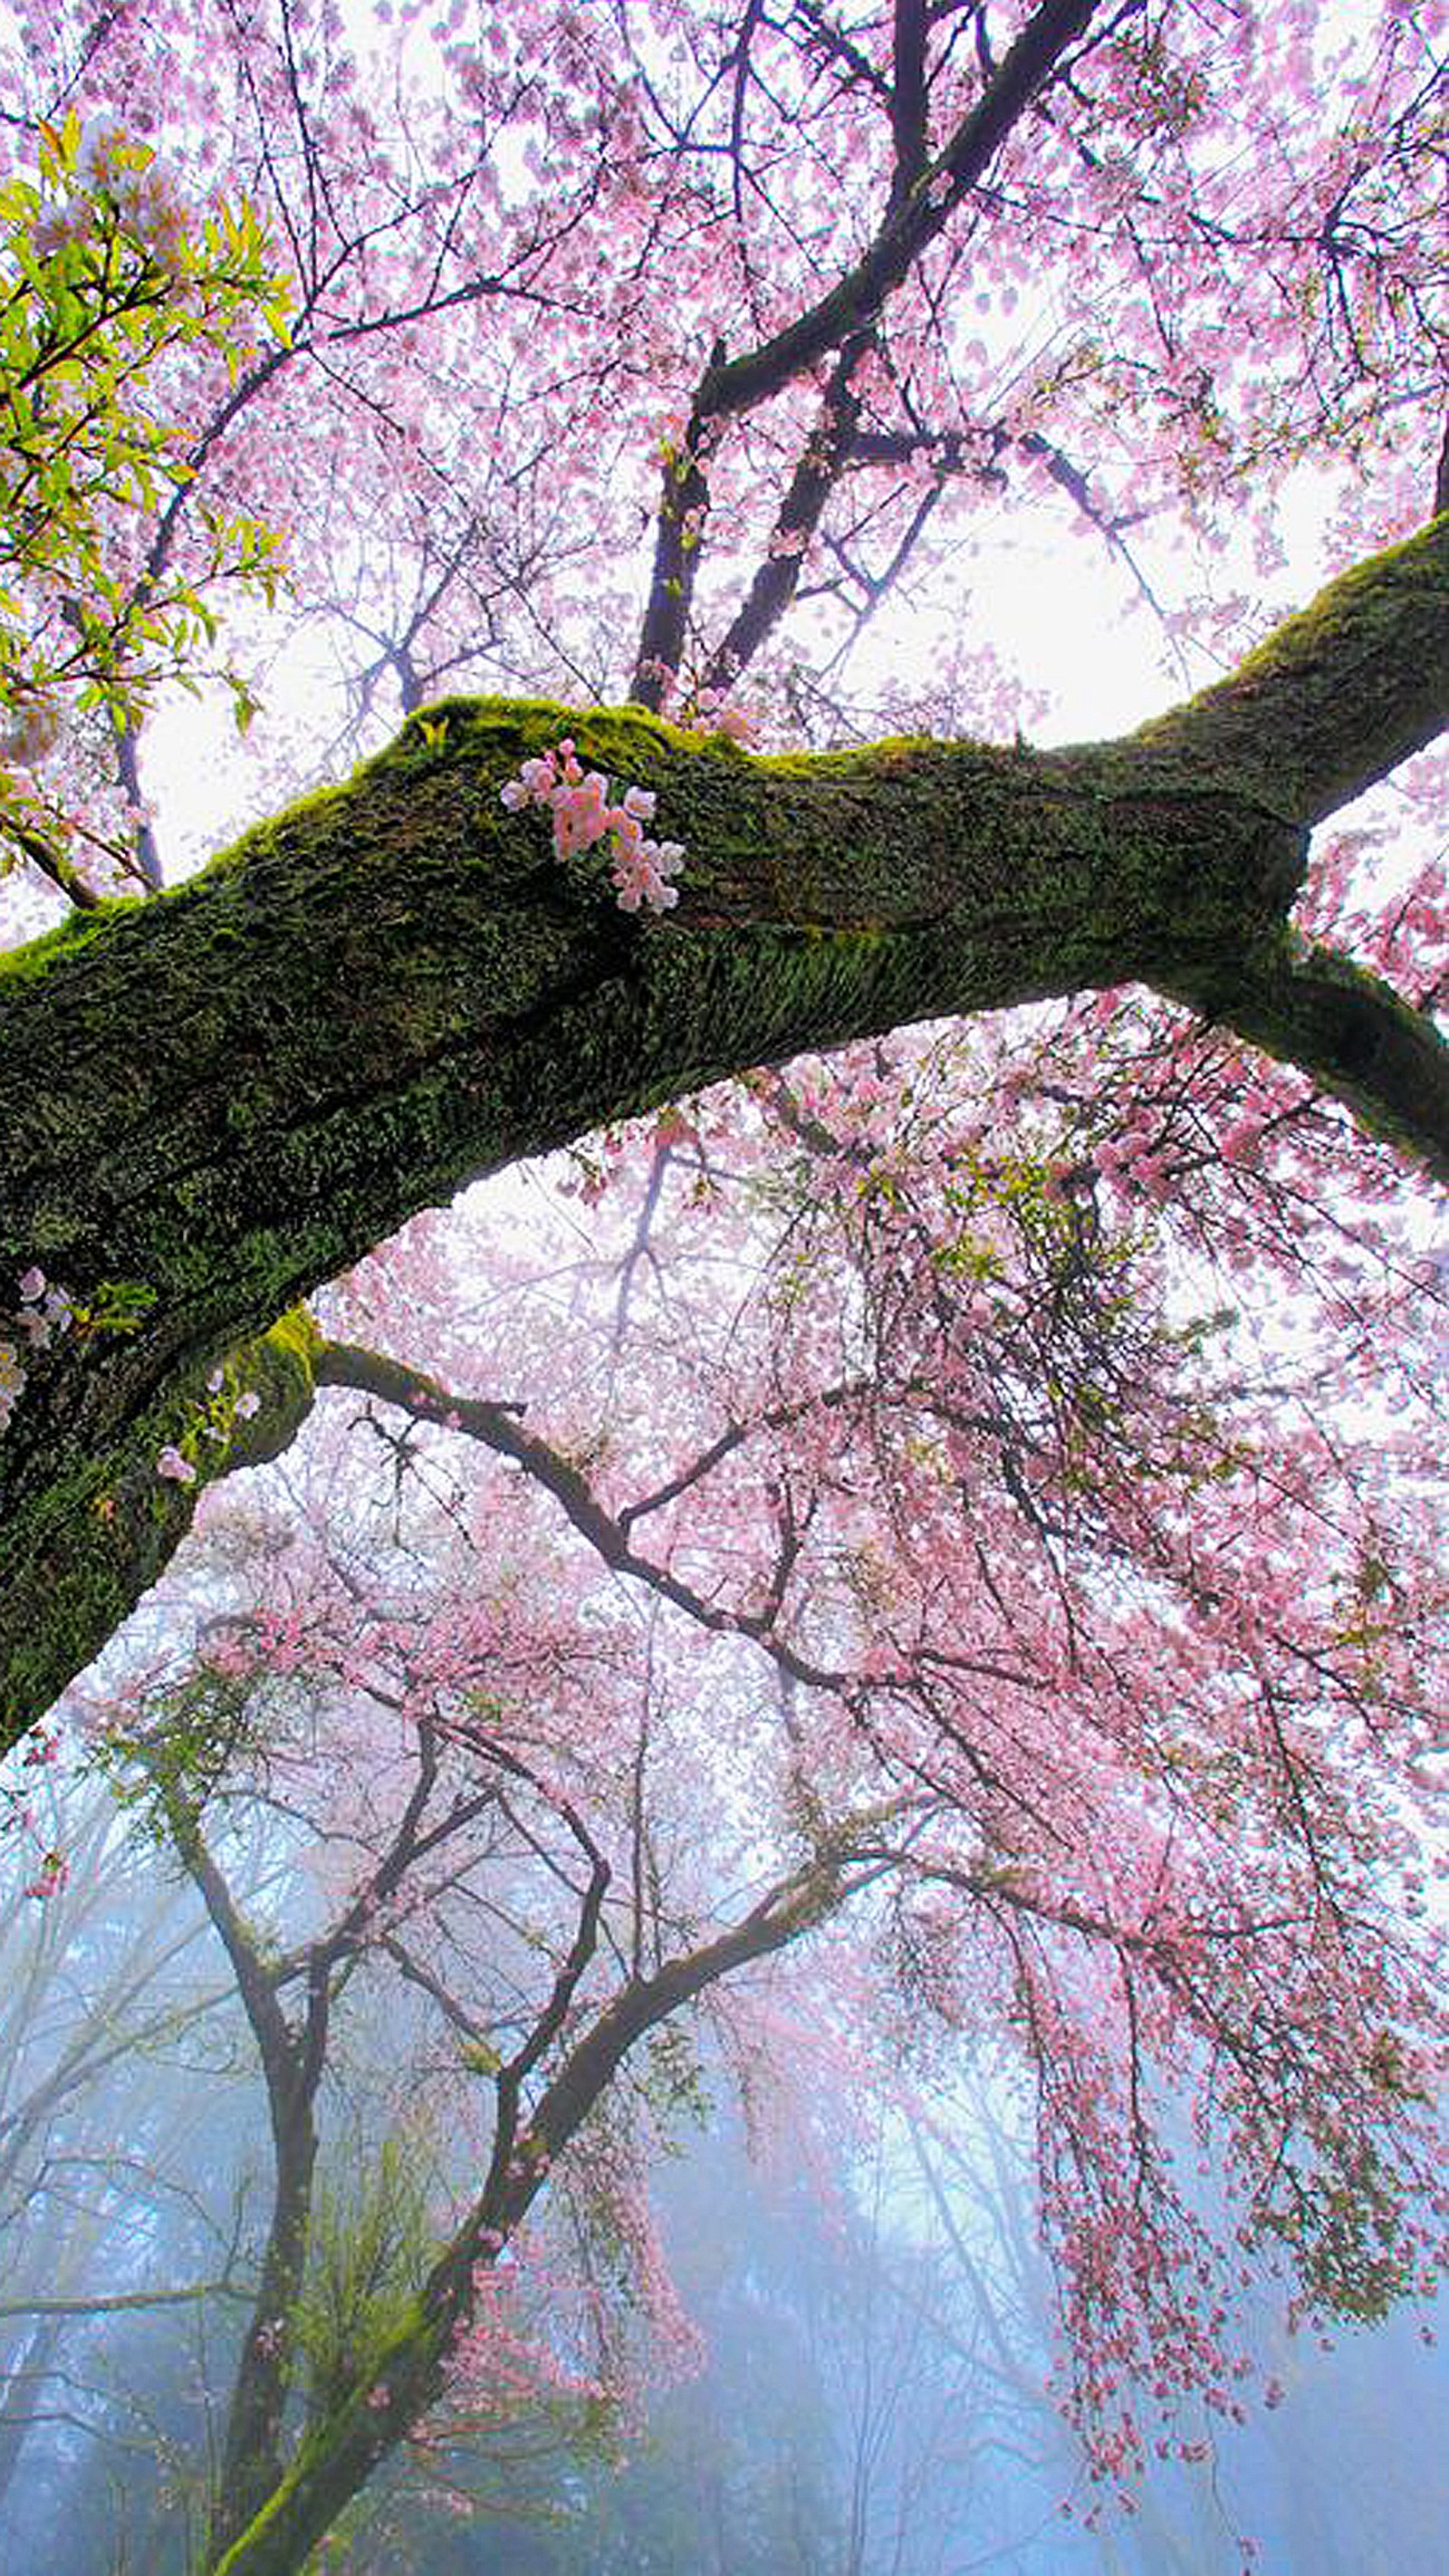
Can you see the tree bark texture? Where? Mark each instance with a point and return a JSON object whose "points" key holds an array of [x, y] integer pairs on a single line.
{"points": [[226, 1095]]}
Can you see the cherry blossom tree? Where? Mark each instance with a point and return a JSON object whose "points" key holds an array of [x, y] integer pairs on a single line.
{"points": [[482, 1822], [1114, 264], [1105, 1716], [1006, 1404]]}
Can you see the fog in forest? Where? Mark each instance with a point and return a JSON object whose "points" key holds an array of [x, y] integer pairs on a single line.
{"points": [[845, 2378]]}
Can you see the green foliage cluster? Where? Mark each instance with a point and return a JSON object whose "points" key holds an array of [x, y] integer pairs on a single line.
{"points": [[206, 1735], [1344, 2236], [109, 295], [368, 2249]]}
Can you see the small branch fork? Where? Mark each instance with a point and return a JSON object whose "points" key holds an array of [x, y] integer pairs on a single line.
{"points": [[840, 327]]}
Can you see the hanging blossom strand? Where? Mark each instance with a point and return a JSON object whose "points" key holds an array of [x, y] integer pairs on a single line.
{"points": [[578, 801]]}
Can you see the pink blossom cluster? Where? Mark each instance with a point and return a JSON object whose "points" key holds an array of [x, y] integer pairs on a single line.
{"points": [[713, 709], [51, 1871], [50, 1877], [43, 1311], [578, 801], [172, 1462], [141, 192], [111, 169]]}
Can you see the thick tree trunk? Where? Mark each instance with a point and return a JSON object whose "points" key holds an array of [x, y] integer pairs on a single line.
{"points": [[334, 2461], [229, 1094], [251, 2461]]}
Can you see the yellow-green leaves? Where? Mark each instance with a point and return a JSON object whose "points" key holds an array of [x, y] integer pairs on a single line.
{"points": [[115, 304]]}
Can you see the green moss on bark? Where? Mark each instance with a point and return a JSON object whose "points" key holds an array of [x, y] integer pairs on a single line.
{"points": [[233, 1093], [1335, 697], [100, 1523], [336, 2456]]}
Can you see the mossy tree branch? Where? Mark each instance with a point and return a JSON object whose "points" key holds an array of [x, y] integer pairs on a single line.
{"points": [[1337, 696], [229, 1094]]}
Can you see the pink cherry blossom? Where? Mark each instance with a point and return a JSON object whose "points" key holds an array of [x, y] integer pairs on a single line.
{"points": [[578, 804]]}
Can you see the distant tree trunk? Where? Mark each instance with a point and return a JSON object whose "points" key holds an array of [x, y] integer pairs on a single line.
{"points": [[19, 2395]]}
